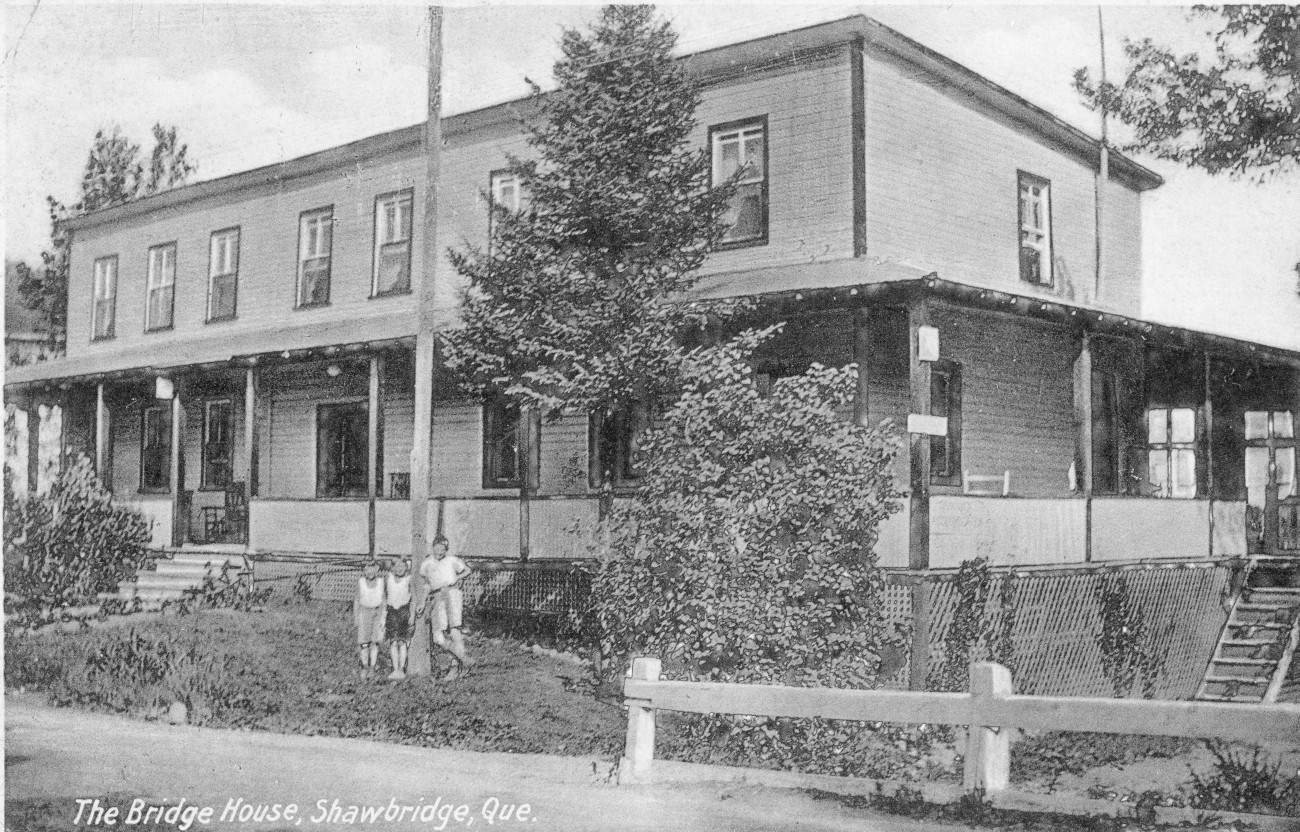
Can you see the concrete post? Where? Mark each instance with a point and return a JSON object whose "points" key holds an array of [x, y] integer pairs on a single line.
{"points": [[988, 748], [639, 752]]}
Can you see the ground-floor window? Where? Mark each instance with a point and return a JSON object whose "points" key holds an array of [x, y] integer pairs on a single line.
{"points": [[1106, 434], [501, 468], [613, 442], [155, 450], [945, 400], [1171, 452], [218, 418], [341, 449]]}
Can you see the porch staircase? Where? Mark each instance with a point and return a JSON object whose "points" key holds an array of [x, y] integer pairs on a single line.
{"points": [[177, 571], [1254, 656]]}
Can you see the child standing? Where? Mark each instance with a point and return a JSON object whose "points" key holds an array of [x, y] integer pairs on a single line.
{"points": [[368, 610], [397, 621], [442, 572]]}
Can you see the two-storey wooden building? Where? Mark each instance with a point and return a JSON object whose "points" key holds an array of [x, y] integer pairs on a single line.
{"points": [[239, 350]]}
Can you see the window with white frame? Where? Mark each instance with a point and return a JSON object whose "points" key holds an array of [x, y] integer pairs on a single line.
{"points": [[105, 298], [392, 244], [161, 287], [315, 245], [740, 150], [614, 440], [1171, 452], [223, 275], [1035, 229], [508, 192]]}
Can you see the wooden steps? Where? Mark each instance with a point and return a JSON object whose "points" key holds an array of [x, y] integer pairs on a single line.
{"points": [[178, 572], [1256, 646]]}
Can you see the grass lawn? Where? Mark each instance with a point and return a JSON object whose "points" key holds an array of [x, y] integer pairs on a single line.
{"points": [[293, 669]]}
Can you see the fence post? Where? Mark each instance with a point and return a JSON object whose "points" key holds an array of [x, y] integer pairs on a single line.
{"points": [[639, 753], [988, 748]]}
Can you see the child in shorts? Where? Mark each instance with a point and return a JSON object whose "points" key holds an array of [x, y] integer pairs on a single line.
{"points": [[442, 572], [397, 620], [368, 611]]}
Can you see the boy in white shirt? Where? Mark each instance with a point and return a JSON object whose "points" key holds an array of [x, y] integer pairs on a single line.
{"points": [[397, 621], [368, 611], [442, 572]]}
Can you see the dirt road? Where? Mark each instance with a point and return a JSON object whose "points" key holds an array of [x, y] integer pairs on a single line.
{"points": [[60, 755]]}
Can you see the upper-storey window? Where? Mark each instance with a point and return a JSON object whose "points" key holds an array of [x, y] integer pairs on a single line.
{"points": [[223, 275], [742, 146], [392, 244], [508, 192], [315, 245], [161, 289], [1035, 229], [105, 310]]}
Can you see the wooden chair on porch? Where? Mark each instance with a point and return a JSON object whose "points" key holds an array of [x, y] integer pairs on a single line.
{"points": [[986, 485], [227, 523]]}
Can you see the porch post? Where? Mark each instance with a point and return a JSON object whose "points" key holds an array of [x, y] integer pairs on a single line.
{"points": [[918, 314], [374, 428], [251, 461], [530, 428], [101, 432], [1209, 452], [1083, 434], [180, 511], [861, 352], [33, 447]]}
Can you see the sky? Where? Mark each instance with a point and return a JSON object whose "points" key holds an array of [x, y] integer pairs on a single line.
{"points": [[249, 85]]}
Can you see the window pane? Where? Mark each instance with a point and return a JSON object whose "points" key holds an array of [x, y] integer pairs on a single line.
{"points": [[1158, 472], [1286, 484], [728, 159], [394, 268], [746, 214], [1031, 263], [1284, 425], [1256, 475], [1184, 474], [1184, 424], [754, 157], [223, 297], [1158, 426], [1256, 424]]}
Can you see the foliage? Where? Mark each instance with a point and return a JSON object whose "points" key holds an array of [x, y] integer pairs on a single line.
{"points": [[1049, 755], [1127, 657], [747, 554], [1245, 782], [1237, 112], [576, 301], [292, 669], [114, 174], [70, 543], [228, 591], [976, 632]]}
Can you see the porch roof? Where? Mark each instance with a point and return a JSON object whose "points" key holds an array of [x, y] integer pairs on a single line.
{"points": [[222, 349], [859, 282]]}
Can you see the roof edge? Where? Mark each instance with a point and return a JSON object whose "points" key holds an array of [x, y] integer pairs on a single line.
{"points": [[710, 66]]}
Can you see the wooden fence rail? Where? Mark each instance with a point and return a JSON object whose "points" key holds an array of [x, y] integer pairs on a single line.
{"points": [[989, 707]]}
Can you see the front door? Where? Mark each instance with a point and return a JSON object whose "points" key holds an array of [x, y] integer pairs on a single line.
{"points": [[1272, 493]]}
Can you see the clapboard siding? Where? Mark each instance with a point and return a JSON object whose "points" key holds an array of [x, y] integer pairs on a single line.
{"points": [[1017, 397], [942, 195], [563, 456], [810, 186]]}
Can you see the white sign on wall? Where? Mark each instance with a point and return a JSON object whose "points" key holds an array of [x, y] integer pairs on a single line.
{"points": [[929, 425]]}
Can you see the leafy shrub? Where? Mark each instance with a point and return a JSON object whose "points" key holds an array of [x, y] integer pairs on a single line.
{"points": [[67, 545], [1053, 753], [1244, 781], [747, 553]]}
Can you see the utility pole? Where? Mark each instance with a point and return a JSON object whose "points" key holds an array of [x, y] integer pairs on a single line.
{"points": [[425, 347], [1103, 166]]}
